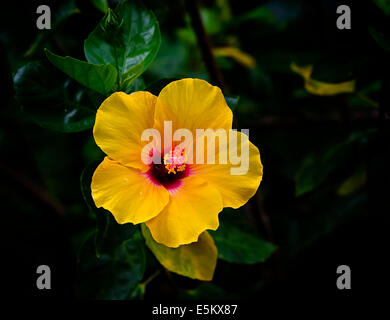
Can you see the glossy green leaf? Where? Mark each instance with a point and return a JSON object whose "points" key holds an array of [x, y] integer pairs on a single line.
{"points": [[124, 38], [130, 76], [100, 78], [52, 100], [101, 5], [238, 242], [109, 233], [137, 85], [115, 274], [195, 260]]}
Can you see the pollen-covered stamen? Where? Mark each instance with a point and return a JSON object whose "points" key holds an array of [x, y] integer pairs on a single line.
{"points": [[170, 171], [175, 160]]}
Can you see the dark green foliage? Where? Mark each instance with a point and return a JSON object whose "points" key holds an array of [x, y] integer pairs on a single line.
{"points": [[52, 100], [127, 38], [109, 233], [113, 253], [100, 78], [298, 227], [113, 275], [238, 242]]}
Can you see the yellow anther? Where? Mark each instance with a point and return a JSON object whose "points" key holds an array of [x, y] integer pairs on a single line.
{"points": [[175, 160]]}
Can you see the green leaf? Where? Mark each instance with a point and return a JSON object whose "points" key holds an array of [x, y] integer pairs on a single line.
{"points": [[384, 5], [317, 166], [109, 233], [112, 262], [130, 76], [115, 274], [52, 100], [380, 38], [196, 260], [238, 242], [232, 101], [101, 5], [174, 58], [100, 78], [124, 38], [211, 20], [138, 293], [137, 85]]}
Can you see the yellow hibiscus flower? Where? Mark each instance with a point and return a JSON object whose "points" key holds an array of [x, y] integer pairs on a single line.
{"points": [[177, 199]]}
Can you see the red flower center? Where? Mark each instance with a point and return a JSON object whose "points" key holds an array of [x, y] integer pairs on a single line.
{"points": [[172, 169]]}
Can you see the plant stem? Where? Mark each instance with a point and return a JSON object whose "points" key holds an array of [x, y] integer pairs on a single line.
{"points": [[204, 43], [264, 217], [151, 278]]}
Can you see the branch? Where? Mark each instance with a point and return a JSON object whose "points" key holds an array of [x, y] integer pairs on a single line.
{"points": [[204, 43]]}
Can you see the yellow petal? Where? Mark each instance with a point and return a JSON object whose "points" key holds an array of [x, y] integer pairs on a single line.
{"points": [[352, 184], [241, 57], [304, 71], [192, 104], [196, 260], [126, 193], [329, 89], [319, 87], [119, 124], [235, 189], [191, 210]]}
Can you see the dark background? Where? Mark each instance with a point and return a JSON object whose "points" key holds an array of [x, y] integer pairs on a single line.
{"points": [[42, 208]]}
